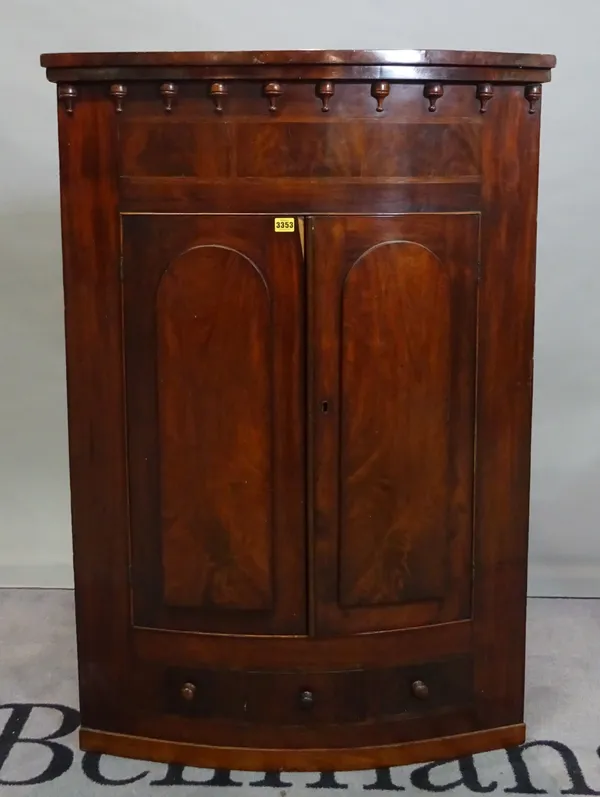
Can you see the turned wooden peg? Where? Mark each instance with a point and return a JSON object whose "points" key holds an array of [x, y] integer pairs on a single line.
{"points": [[433, 91], [484, 93], [118, 92], [325, 91], [169, 93], [533, 94], [273, 91], [217, 92], [67, 95], [380, 91]]}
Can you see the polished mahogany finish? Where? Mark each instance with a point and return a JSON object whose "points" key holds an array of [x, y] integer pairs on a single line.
{"points": [[302, 57], [299, 312]]}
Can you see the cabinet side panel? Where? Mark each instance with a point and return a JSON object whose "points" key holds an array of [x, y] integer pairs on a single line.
{"points": [[510, 157], [90, 226]]}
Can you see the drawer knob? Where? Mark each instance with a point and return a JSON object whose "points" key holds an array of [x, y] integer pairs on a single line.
{"points": [[188, 691], [307, 698], [420, 690]]}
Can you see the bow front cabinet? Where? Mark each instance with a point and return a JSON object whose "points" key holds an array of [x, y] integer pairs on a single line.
{"points": [[299, 293]]}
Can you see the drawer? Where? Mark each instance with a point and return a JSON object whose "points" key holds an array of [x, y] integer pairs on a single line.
{"points": [[322, 697]]}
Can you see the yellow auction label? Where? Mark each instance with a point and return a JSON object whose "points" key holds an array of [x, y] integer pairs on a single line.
{"points": [[285, 225]]}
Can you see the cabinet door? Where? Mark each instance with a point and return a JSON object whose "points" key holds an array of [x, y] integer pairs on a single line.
{"points": [[393, 308], [214, 378]]}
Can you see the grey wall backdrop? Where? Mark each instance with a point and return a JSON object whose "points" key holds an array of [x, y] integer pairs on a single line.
{"points": [[35, 546]]}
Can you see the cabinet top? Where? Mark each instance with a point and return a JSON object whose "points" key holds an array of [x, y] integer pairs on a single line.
{"points": [[253, 58]]}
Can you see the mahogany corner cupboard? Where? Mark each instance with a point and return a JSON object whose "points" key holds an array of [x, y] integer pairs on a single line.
{"points": [[299, 297]]}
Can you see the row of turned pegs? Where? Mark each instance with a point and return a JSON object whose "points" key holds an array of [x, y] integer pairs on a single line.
{"points": [[325, 90]]}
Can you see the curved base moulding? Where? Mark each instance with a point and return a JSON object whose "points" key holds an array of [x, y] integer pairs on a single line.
{"points": [[305, 760]]}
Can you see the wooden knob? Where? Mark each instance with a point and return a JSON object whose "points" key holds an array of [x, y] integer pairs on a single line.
{"points": [[380, 90], [67, 95], [188, 691], [533, 94], [307, 698], [169, 93], [433, 91], [217, 92], [420, 690], [118, 92], [325, 90], [273, 92], [485, 92]]}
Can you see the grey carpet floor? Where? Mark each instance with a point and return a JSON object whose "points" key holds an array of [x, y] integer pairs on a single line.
{"points": [[38, 668]]}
